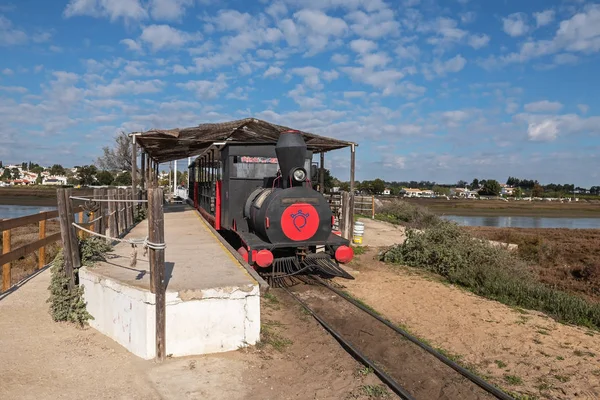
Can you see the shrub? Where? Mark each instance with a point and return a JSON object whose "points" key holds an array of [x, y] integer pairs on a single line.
{"points": [[489, 271], [68, 305], [410, 215]]}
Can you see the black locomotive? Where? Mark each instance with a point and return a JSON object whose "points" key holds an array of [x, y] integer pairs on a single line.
{"points": [[261, 199]]}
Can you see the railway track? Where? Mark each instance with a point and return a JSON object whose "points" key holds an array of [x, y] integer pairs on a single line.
{"points": [[410, 368]]}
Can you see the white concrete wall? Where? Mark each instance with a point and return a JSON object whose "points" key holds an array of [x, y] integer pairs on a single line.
{"points": [[202, 322]]}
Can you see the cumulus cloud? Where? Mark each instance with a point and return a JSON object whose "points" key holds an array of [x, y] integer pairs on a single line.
{"points": [[442, 68], [169, 10], [205, 89], [478, 41], [546, 130], [363, 45], [515, 24], [543, 18], [272, 71], [112, 9], [584, 108], [161, 37], [543, 106], [9, 35], [379, 24], [131, 44], [340, 58]]}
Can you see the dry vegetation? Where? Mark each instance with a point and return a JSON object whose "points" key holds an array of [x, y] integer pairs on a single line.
{"points": [[582, 208], [566, 258], [512, 278], [21, 236]]}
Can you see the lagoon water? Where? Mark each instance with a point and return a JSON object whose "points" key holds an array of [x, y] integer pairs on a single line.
{"points": [[525, 222], [14, 211]]}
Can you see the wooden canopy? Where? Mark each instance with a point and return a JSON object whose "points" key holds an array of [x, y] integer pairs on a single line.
{"points": [[174, 144]]}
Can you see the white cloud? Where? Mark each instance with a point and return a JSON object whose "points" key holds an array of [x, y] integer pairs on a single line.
{"points": [[113, 9], [310, 75], [272, 71], [441, 68], [8, 71], [584, 108], [478, 41], [374, 25], [467, 17], [169, 10], [362, 46], [339, 58], [543, 106], [38, 68], [410, 52], [10, 36], [446, 30], [41, 37], [205, 89], [546, 130], [330, 75], [277, 10], [543, 18], [231, 20], [515, 24], [131, 44], [565, 59], [321, 23], [374, 60], [13, 89], [354, 94], [161, 37], [117, 88]]}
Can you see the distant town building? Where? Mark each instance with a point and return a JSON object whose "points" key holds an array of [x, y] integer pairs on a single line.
{"points": [[407, 192], [54, 180], [387, 191]]}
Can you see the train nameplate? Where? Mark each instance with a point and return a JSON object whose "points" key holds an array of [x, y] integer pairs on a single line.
{"points": [[259, 160]]}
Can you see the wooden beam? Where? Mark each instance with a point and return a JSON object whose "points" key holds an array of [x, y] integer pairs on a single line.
{"points": [[156, 234], [65, 229], [121, 212], [26, 220], [134, 177], [143, 174], [322, 174], [42, 250], [6, 275], [22, 251], [112, 213], [75, 257], [352, 185]]}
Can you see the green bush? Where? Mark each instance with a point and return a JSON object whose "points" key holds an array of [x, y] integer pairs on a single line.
{"points": [[68, 305], [489, 271], [410, 215]]}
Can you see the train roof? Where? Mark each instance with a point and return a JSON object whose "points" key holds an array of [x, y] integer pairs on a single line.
{"points": [[174, 144]]}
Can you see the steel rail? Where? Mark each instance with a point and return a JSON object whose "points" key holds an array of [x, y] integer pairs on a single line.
{"points": [[388, 380], [461, 370]]}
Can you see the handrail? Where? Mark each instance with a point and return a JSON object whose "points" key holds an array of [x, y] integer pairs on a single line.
{"points": [[26, 220]]}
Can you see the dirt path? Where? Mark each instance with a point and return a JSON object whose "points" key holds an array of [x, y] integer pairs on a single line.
{"points": [[42, 359], [297, 359], [379, 233], [523, 351]]}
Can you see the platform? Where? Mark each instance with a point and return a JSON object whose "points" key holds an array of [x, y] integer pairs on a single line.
{"points": [[212, 302]]}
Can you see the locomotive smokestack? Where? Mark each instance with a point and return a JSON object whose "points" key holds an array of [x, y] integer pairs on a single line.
{"points": [[291, 152]]}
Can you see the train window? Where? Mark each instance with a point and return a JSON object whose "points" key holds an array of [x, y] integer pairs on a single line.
{"points": [[254, 167]]}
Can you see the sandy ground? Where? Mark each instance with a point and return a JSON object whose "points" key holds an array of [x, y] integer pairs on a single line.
{"points": [[523, 351], [379, 233], [46, 360]]}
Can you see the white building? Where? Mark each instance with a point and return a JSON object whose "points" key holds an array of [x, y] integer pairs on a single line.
{"points": [[54, 180]]}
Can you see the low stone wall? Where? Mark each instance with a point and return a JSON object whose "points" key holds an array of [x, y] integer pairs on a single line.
{"points": [[197, 322]]}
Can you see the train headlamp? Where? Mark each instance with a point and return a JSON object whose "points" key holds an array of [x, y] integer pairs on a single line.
{"points": [[299, 175]]}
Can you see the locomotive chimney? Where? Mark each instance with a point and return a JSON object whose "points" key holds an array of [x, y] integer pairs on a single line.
{"points": [[291, 152]]}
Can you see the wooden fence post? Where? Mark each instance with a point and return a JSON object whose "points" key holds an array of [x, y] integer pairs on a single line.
{"points": [[74, 242], [6, 275], [373, 207], [345, 224], [129, 196], [98, 214], [121, 206], [42, 251], [112, 214], [156, 235], [80, 222], [62, 197]]}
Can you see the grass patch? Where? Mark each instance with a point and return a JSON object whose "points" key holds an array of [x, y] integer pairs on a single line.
{"points": [[500, 364], [410, 215], [580, 353], [496, 273], [270, 336], [513, 379], [359, 250], [362, 303], [543, 332], [364, 371], [562, 378], [560, 358], [375, 391]]}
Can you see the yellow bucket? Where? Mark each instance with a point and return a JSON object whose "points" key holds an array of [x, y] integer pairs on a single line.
{"points": [[357, 239]]}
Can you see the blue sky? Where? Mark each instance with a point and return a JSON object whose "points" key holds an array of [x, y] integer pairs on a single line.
{"points": [[432, 90]]}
